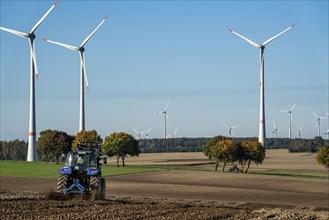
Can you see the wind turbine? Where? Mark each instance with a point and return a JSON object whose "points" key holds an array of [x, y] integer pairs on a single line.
{"points": [[230, 129], [275, 130], [290, 117], [262, 133], [138, 133], [299, 135], [146, 133], [164, 112], [327, 133], [174, 135], [318, 123], [32, 146], [83, 74]]}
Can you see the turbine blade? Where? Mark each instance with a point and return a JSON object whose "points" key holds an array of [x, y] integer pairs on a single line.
{"points": [[86, 40], [43, 17], [292, 107], [301, 128], [286, 111], [276, 36], [234, 126], [63, 45], [226, 126], [18, 33], [315, 115], [246, 39], [135, 130], [166, 106], [274, 125], [32, 51]]}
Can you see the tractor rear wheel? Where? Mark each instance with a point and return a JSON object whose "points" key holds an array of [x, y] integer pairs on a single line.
{"points": [[102, 188]]}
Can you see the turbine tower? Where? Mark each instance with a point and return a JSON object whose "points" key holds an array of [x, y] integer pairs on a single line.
{"points": [[83, 74], [32, 146], [317, 124], [290, 117], [230, 129], [164, 112], [262, 133]]}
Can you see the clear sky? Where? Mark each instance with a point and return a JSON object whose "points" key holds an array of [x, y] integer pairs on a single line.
{"points": [[151, 52]]}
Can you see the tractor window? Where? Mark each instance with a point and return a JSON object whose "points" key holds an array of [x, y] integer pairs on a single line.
{"points": [[93, 161], [70, 159]]}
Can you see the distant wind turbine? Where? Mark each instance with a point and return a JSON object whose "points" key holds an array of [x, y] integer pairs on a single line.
{"points": [[230, 129], [137, 133], [327, 133], [164, 112], [262, 132], [146, 133], [290, 117], [32, 146], [275, 130], [299, 135], [83, 74], [317, 124], [174, 135]]}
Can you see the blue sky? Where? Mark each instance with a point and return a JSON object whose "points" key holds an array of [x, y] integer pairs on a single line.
{"points": [[151, 52]]}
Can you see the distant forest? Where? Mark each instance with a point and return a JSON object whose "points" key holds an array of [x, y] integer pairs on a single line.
{"points": [[196, 144], [17, 150]]}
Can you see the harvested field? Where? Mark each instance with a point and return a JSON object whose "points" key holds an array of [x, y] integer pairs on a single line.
{"points": [[179, 194]]}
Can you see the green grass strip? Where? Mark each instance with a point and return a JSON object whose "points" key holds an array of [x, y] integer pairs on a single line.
{"points": [[51, 170]]}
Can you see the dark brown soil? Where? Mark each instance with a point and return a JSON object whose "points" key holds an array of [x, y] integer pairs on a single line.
{"points": [[172, 195]]}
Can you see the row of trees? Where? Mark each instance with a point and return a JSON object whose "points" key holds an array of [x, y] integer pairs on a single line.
{"points": [[13, 150], [53, 143], [226, 150]]}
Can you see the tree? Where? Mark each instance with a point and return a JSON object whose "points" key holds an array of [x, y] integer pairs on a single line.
{"points": [[120, 145], [86, 136], [210, 144], [54, 142], [323, 157], [250, 151], [224, 151]]}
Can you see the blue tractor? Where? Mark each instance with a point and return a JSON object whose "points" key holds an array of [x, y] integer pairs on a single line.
{"points": [[82, 172]]}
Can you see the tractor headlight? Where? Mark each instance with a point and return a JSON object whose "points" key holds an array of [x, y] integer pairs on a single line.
{"points": [[76, 167]]}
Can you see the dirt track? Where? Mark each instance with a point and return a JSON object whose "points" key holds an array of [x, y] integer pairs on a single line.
{"points": [[175, 195]]}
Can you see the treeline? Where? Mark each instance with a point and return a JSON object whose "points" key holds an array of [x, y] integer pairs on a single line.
{"points": [[17, 149], [196, 144], [13, 150]]}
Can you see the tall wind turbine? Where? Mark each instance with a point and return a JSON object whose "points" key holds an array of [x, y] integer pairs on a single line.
{"points": [[317, 124], [262, 133], [164, 112], [230, 129], [290, 117], [83, 74], [32, 146]]}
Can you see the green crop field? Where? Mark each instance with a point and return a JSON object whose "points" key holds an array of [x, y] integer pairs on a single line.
{"points": [[51, 170]]}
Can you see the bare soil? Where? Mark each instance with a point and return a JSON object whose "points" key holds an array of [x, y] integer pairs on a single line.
{"points": [[173, 195]]}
